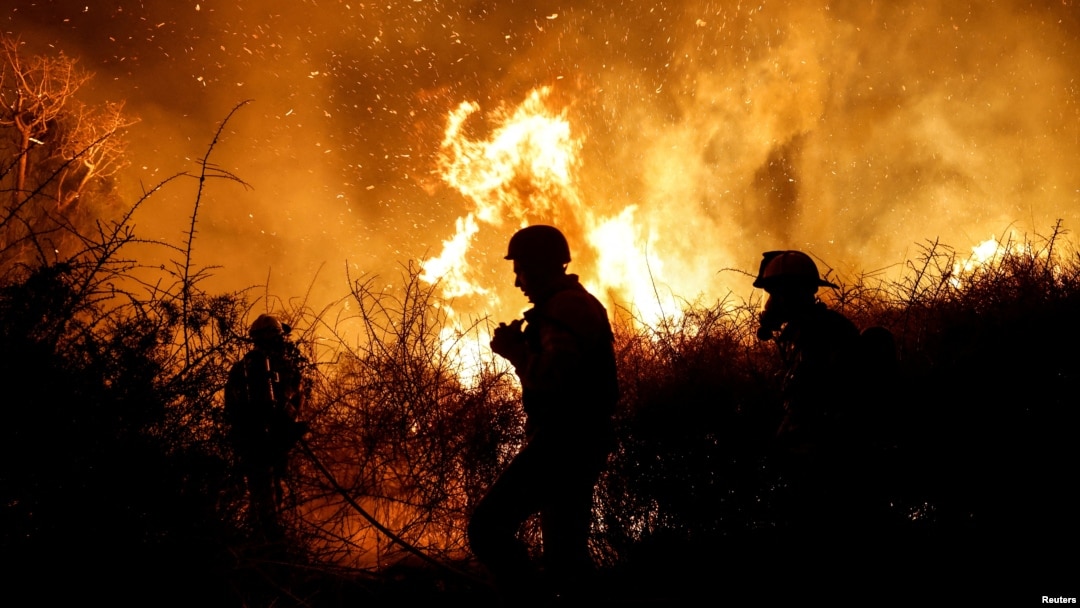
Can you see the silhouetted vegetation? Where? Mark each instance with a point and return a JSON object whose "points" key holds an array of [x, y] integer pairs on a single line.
{"points": [[114, 463]]}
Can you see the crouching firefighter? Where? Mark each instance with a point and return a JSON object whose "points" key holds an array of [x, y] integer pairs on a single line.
{"points": [[264, 399]]}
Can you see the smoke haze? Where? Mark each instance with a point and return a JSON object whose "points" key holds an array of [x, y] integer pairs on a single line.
{"points": [[852, 130]]}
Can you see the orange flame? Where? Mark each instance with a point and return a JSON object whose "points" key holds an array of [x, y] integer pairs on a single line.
{"points": [[524, 170], [987, 255], [525, 173]]}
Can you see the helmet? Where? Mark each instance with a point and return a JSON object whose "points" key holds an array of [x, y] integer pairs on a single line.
{"points": [[266, 325], [539, 244], [793, 268]]}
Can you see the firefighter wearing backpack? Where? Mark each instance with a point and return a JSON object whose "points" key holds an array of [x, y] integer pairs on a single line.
{"points": [[264, 397], [563, 354]]}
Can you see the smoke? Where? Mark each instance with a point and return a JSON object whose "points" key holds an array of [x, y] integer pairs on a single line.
{"points": [[852, 130]]}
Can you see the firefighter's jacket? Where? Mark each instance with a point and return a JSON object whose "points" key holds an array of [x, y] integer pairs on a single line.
{"points": [[568, 375], [264, 396], [820, 350]]}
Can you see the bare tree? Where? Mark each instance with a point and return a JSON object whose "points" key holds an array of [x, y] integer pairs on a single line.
{"points": [[52, 147], [89, 149], [33, 93]]}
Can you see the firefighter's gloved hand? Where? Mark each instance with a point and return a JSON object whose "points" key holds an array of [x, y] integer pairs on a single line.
{"points": [[509, 341]]}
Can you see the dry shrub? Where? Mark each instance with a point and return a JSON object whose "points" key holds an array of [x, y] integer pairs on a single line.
{"points": [[692, 426], [402, 433]]}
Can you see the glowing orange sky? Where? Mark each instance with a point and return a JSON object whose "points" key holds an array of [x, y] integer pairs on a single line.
{"points": [[854, 130]]}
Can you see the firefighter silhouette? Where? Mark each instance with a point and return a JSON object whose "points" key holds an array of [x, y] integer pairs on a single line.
{"points": [[264, 398], [818, 347], [818, 443], [563, 354]]}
